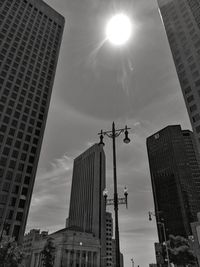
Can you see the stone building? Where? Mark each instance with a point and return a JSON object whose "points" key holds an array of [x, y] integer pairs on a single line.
{"points": [[28, 243], [72, 249]]}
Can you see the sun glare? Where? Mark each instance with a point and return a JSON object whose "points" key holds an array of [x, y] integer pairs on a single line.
{"points": [[118, 29]]}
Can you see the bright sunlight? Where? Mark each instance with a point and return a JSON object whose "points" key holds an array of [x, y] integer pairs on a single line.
{"points": [[119, 29]]}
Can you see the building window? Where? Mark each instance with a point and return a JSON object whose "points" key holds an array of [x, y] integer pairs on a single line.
{"points": [[198, 129], [193, 108], [27, 180], [6, 187], [16, 231], [6, 151], [18, 178], [24, 191], [196, 118], [29, 169], [10, 215], [197, 83], [22, 203], [190, 98], [15, 189], [15, 153], [12, 164], [3, 199], [9, 175]]}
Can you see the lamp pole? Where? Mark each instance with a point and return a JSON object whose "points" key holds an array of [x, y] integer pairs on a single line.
{"points": [[165, 236], [132, 261], [113, 134], [115, 199]]}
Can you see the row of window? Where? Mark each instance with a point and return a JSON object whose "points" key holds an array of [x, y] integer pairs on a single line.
{"points": [[15, 154], [22, 6], [19, 216], [12, 165], [18, 178], [21, 126], [13, 162]]}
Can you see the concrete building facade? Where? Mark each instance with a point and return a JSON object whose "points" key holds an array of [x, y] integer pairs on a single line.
{"points": [[109, 235], [87, 206], [175, 177], [72, 249], [182, 24], [28, 243], [30, 38]]}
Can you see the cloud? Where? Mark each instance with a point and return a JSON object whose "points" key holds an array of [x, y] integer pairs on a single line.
{"points": [[51, 194]]}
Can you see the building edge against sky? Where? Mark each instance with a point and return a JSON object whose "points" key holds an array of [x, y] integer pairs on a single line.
{"points": [[31, 34], [181, 20]]}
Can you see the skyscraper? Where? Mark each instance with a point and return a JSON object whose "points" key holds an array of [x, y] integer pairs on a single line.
{"points": [[182, 24], [87, 207], [30, 38], [175, 176]]}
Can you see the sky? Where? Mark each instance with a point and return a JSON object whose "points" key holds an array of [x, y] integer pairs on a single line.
{"points": [[96, 84]]}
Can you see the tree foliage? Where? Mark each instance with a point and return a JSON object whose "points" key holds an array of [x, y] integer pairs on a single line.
{"points": [[10, 253], [48, 253], [180, 252]]}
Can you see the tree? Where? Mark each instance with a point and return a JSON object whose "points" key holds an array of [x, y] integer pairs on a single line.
{"points": [[48, 253], [10, 253], [180, 252]]}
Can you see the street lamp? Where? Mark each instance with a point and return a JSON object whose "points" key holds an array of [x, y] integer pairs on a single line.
{"points": [[164, 233], [113, 134], [121, 200], [132, 261]]}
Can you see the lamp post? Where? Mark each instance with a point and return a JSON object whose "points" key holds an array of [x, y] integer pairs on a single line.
{"points": [[113, 134], [164, 233], [132, 262]]}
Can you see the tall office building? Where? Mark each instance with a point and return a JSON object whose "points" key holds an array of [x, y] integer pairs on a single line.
{"points": [[182, 24], [87, 206], [175, 176], [30, 38]]}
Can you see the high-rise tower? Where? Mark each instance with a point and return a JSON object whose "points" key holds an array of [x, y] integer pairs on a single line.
{"points": [[30, 38], [87, 206], [182, 24], [175, 176]]}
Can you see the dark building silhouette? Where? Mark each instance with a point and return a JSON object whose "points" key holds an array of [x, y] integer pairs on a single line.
{"points": [[87, 206], [30, 38], [182, 24], [175, 176]]}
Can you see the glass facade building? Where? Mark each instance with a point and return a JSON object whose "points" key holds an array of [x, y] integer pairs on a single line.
{"points": [[175, 176], [30, 38]]}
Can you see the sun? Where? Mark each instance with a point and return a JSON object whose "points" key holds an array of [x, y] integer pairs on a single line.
{"points": [[118, 29]]}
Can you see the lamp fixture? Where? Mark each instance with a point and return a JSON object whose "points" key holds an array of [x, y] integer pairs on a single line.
{"points": [[126, 139]]}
